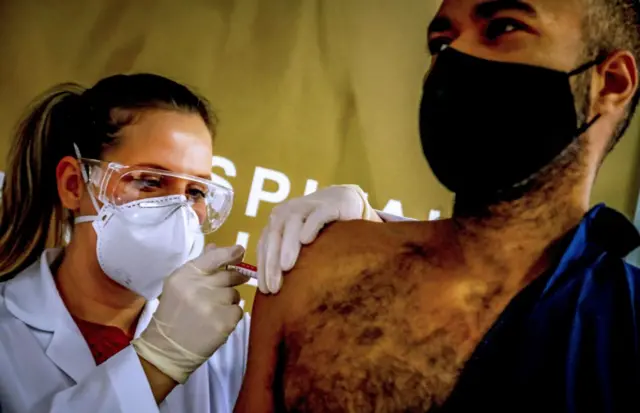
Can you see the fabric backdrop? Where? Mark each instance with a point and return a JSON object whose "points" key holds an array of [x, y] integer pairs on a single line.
{"points": [[309, 92]]}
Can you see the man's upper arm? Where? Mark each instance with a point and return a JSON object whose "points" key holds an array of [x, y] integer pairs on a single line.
{"points": [[256, 394], [320, 266]]}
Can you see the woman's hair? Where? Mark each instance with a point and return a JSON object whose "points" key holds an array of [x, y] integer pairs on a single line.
{"points": [[31, 215]]}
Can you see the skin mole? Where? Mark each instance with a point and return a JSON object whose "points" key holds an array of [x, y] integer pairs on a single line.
{"points": [[369, 336], [416, 250]]}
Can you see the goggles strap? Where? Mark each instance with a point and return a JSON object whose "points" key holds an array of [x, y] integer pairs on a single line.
{"points": [[85, 178], [86, 218]]}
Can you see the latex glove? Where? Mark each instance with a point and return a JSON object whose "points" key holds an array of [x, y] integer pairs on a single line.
{"points": [[298, 221], [198, 311]]}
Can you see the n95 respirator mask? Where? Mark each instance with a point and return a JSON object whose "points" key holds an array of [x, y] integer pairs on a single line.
{"points": [[141, 256]]}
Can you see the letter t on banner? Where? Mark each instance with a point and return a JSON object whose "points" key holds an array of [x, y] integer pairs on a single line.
{"points": [[258, 193]]}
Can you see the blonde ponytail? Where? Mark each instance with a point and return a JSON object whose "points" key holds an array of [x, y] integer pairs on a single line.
{"points": [[31, 215]]}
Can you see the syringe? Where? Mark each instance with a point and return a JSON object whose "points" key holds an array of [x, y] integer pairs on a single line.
{"points": [[244, 269]]}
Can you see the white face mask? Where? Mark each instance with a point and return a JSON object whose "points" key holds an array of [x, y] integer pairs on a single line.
{"points": [[138, 256]]}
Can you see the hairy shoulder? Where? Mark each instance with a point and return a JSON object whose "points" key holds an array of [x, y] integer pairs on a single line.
{"points": [[346, 238], [340, 253]]}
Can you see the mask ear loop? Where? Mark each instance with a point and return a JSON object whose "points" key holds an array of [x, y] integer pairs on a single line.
{"points": [[85, 178], [583, 68], [587, 125], [580, 69]]}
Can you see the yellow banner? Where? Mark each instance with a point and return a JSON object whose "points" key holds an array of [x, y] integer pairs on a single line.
{"points": [[309, 93]]}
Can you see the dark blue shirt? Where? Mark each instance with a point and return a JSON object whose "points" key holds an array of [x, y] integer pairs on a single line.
{"points": [[568, 342]]}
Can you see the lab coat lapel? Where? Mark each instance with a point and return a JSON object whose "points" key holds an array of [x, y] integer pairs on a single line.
{"points": [[70, 352], [33, 298]]}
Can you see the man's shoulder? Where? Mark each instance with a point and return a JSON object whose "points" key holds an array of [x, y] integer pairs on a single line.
{"points": [[349, 238], [349, 245], [339, 248], [342, 251]]}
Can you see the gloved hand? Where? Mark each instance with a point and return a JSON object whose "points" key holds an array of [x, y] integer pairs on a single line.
{"points": [[197, 312], [298, 221]]}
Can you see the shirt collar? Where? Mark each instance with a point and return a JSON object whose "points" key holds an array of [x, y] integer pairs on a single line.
{"points": [[601, 231]]}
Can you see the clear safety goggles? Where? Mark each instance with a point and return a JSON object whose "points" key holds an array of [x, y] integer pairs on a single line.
{"points": [[120, 185]]}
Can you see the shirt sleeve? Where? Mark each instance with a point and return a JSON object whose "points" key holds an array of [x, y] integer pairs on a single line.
{"points": [[119, 385]]}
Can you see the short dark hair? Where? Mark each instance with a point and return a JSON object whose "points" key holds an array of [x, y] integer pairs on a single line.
{"points": [[611, 25]]}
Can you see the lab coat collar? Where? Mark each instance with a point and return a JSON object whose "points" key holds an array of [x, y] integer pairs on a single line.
{"points": [[33, 297]]}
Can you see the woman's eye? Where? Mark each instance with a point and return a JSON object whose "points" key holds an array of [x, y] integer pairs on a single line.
{"points": [[498, 27], [196, 194], [438, 44]]}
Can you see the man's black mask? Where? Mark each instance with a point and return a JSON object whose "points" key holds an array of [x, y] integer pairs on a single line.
{"points": [[487, 126]]}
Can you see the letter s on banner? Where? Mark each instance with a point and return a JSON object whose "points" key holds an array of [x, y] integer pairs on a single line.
{"points": [[227, 166], [257, 192]]}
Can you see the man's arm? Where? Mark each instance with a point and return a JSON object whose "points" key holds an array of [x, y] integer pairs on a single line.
{"points": [[257, 392], [320, 265]]}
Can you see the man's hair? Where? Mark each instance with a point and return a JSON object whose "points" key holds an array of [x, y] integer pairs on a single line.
{"points": [[611, 25]]}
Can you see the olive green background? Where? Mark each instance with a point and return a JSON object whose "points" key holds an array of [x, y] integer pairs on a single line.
{"points": [[316, 89]]}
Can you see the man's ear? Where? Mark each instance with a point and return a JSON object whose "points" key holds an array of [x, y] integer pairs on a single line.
{"points": [[616, 85], [69, 180]]}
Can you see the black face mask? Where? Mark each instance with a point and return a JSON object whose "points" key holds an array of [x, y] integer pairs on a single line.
{"points": [[487, 126]]}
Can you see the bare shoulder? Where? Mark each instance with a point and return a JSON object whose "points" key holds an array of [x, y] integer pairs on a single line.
{"points": [[357, 242], [341, 253], [348, 237], [341, 250]]}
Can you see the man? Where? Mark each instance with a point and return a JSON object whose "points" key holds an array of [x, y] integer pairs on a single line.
{"points": [[521, 302]]}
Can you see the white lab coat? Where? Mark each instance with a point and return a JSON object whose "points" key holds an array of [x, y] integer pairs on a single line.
{"points": [[47, 367]]}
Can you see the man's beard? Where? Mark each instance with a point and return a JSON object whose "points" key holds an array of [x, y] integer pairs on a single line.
{"points": [[567, 167]]}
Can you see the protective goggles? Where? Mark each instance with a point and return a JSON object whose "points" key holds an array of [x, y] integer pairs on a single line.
{"points": [[121, 185]]}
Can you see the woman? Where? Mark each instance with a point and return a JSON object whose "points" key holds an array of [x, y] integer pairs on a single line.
{"points": [[123, 170]]}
